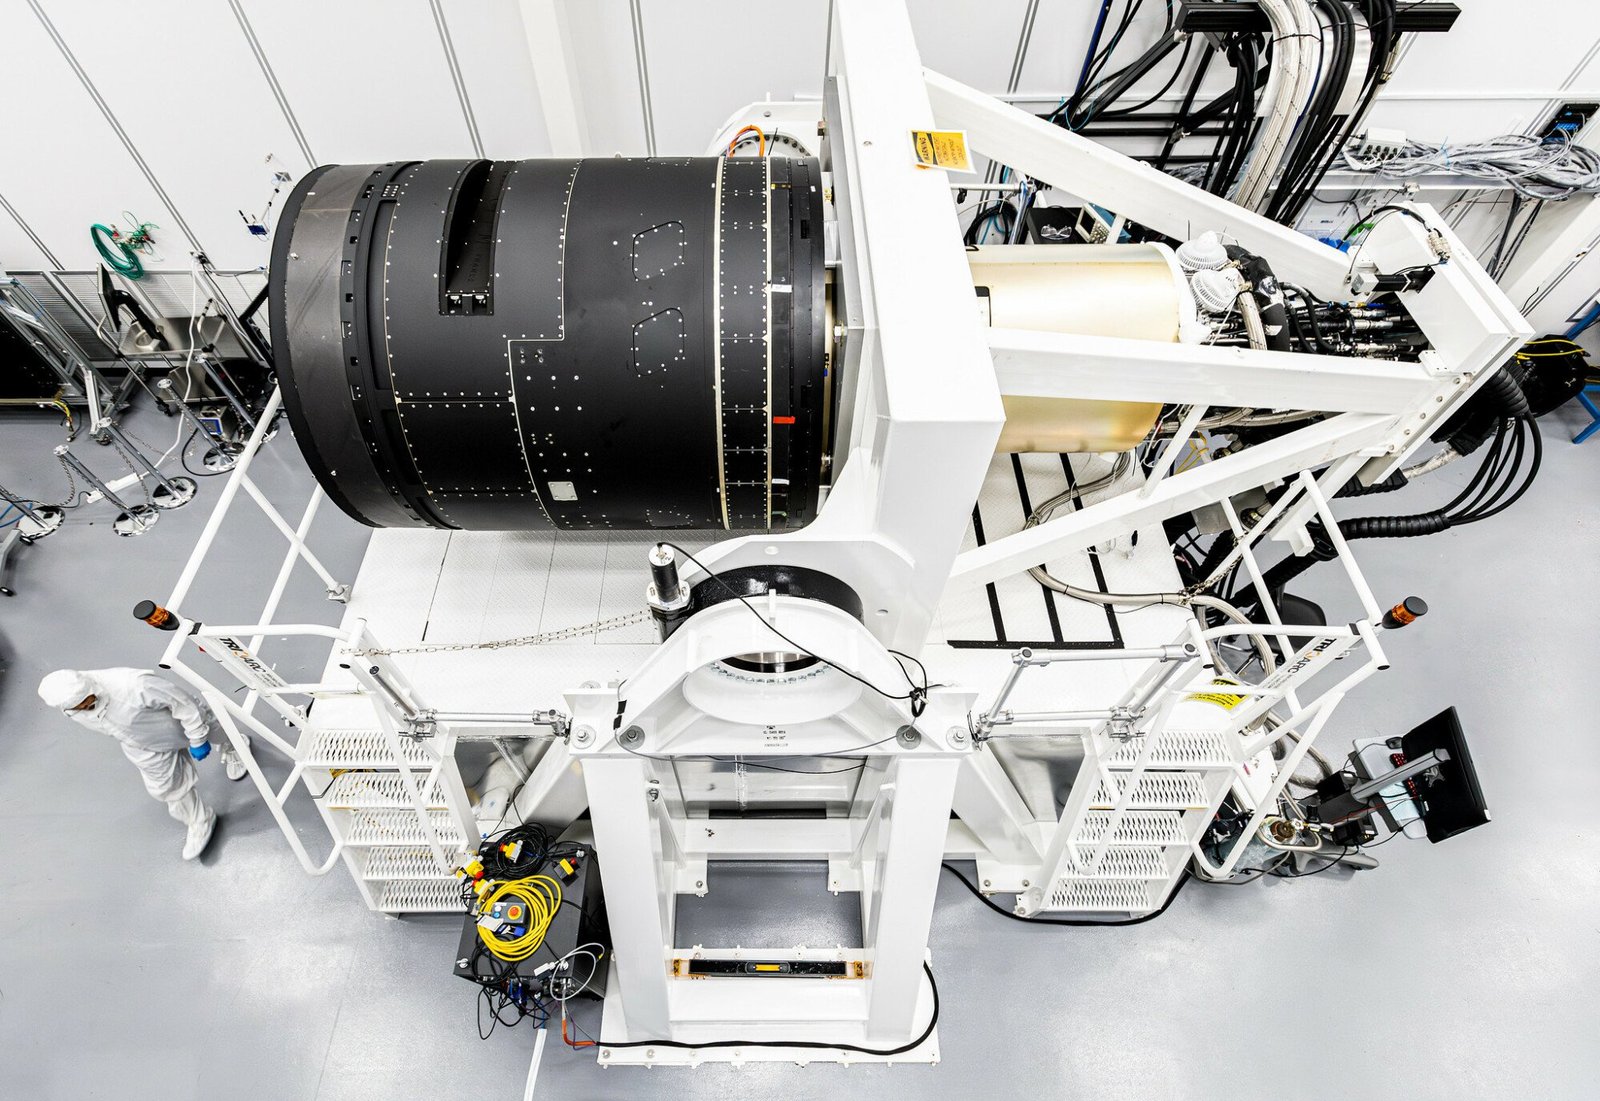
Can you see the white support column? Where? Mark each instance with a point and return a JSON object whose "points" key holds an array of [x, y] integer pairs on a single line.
{"points": [[555, 70], [987, 801], [921, 397], [910, 847], [639, 895]]}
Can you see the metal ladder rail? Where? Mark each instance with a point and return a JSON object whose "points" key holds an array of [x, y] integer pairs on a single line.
{"points": [[1133, 703], [396, 702]]}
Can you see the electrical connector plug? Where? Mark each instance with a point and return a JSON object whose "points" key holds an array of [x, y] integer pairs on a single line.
{"points": [[1376, 143]]}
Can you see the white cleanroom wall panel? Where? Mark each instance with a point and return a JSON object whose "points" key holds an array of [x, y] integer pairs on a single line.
{"points": [[602, 41], [972, 41], [367, 79], [707, 59], [1573, 295], [64, 168], [1496, 45], [492, 51], [17, 250], [205, 121], [1455, 120]]}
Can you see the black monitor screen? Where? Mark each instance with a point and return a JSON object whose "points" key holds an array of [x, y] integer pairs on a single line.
{"points": [[1451, 801]]}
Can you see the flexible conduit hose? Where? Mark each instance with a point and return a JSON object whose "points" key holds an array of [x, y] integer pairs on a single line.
{"points": [[1186, 600], [1250, 312], [1093, 596], [1288, 90]]}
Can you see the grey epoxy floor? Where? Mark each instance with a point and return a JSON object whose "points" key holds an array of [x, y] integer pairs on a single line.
{"points": [[1462, 970]]}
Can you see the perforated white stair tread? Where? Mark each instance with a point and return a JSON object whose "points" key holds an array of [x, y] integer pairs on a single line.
{"points": [[1122, 862], [398, 827], [1138, 827], [434, 896], [1099, 895], [409, 863], [345, 747], [1157, 791], [1177, 749], [353, 790]]}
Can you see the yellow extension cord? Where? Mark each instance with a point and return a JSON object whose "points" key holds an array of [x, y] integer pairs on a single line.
{"points": [[542, 895]]}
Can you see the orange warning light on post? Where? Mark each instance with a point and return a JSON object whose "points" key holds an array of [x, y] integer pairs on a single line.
{"points": [[1409, 610], [155, 615]]}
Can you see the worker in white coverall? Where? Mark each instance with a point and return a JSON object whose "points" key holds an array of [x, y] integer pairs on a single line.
{"points": [[162, 729]]}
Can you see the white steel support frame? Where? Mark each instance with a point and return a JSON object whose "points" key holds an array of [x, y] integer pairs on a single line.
{"points": [[1387, 409], [679, 705]]}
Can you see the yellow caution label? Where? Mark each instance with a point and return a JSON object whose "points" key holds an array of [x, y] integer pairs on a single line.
{"points": [[945, 149], [1228, 700]]}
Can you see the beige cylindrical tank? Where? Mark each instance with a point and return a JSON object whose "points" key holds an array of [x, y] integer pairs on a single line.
{"points": [[1133, 291]]}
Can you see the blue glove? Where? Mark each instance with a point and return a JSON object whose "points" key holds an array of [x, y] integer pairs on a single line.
{"points": [[200, 752]]}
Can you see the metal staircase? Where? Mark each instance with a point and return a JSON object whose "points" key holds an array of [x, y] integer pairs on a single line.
{"points": [[1130, 829], [1153, 774], [385, 838], [394, 805]]}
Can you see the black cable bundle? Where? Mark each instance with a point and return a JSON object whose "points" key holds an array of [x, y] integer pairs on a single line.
{"points": [[532, 850], [1083, 105], [1499, 483], [502, 990], [1300, 181], [1004, 214], [531, 857]]}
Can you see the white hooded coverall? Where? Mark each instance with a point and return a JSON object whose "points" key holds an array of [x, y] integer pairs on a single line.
{"points": [[155, 723]]}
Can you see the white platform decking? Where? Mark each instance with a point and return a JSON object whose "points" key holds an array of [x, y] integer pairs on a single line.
{"points": [[430, 587]]}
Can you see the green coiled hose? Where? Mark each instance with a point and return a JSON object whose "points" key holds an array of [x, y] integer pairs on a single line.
{"points": [[116, 252]]}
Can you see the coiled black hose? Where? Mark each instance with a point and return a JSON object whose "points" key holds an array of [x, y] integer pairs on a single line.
{"points": [[1507, 388], [1354, 488], [1279, 576], [1488, 493]]}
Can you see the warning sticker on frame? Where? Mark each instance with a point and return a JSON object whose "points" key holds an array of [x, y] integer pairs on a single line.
{"points": [[1228, 700], [945, 149]]}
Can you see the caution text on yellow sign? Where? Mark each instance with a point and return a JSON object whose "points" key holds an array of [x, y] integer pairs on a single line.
{"points": [[1229, 700], [945, 149]]}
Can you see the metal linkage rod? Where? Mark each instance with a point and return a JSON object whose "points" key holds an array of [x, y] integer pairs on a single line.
{"points": [[169, 492], [37, 520], [225, 388], [20, 505], [246, 338], [1026, 657], [134, 519]]}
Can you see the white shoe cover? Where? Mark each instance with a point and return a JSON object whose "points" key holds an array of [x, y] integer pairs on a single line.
{"points": [[200, 836]]}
